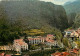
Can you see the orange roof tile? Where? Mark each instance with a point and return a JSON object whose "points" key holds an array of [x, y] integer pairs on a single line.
{"points": [[61, 54], [7, 55], [56, 54]]}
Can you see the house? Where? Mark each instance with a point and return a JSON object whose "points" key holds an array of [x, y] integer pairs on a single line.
{"points": [[56, 54], [51, 43], [75, 50], [61, 54], [36, 40], [40, 39], [71, 33], [75, 34], [7, 55], [19, 45], [2, 54], [50, 40], [67, 33], [72, 52], [50, 36], [6, 47], [78, 30]]}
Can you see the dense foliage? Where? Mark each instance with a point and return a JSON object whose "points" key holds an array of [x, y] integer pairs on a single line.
{"points": [[8, 32], [73, 13], [46, 52], [28, 17], [36, 14]]}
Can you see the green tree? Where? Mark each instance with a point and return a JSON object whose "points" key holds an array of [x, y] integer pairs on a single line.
{"points": [[66, 42]]}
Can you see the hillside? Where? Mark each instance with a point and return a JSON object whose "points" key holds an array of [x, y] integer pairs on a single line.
{"points": [[72, 10], [35, 14], [73, 7]]}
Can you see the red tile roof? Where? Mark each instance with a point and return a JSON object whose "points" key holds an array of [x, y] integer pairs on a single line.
{"points": [[37, 38], [20, 41], [74, 51], [51, 41], [61, 54], [50, 35], [54, 54], [7, 55], [2, 54]]}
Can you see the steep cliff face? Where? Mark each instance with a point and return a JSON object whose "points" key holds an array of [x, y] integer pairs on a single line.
{"points": [[73, 13], [73, 7], [35, 14]]}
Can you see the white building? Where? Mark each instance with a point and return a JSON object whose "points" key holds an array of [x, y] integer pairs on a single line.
{"points": [[71, 33], [19, 45], [36, 40], [6, 47]]}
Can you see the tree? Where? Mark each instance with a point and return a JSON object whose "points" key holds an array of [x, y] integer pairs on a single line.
{"points": [[66, 42]]}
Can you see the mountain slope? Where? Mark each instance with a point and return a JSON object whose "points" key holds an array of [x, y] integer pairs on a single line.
{"points": [[73, 7], [35, 14], [72, 10]]}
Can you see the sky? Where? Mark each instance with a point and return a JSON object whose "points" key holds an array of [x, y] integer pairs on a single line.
{"points": [[59, 2]]}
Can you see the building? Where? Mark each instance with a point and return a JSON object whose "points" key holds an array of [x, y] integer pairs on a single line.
{"points": [[71, 33], [6, 47], [2, 54], [48, 40], [36, 40], [78, 30], [67, 33], [72, 52], [20, 45], [61, 54], [51, 43], [40, 39]]}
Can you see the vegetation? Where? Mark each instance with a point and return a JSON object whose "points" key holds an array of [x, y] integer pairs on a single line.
{"points": [[7, 33], [30, 18], [36, 14], [77, 21], [46, 52], [73, 13], [33, 47], [66, 42], [78, 43]]}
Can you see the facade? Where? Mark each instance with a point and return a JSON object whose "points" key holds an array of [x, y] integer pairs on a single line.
{"points": [[6, 47], [71, 33], [78, 30], [48, 40], [40, 39], [2, 54], [52, 43], [72, 52], [36, 40], [61, 54], [19, 45], [74, 34]]}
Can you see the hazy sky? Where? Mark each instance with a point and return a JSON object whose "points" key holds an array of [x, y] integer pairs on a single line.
{"points": [[59, 2]]}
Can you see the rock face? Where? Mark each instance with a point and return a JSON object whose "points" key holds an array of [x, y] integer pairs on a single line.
{"points": [[73, 11], [73, 7], [35, 14]]}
